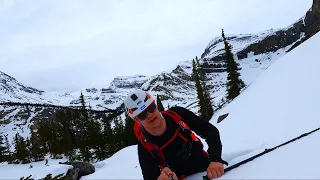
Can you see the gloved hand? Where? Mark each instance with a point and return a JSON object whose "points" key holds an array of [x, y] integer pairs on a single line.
{"points": [[167, 174], [215, 170]]}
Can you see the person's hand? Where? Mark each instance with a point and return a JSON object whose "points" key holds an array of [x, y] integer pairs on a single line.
{"points": [[166, 173], [215, 170]]}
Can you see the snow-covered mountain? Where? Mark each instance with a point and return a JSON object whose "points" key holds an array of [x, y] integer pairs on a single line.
{"points": [[281, 104], [12, 90], [254, 52], [111, 97], [104, 98], [215, 49]]}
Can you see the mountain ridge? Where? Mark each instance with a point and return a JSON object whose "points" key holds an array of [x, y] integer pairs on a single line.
{"points": [[174, 87], [262, 45]]}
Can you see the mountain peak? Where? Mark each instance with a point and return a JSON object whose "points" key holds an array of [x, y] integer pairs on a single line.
{"points": [[11, 89], [215, 48]]}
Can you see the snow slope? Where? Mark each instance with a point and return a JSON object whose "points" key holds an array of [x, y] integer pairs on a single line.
{"points": [[280, 105], [293, 161], [39, 169]]}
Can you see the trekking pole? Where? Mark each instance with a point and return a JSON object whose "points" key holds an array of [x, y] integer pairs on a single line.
{"points": [[262, 153]]}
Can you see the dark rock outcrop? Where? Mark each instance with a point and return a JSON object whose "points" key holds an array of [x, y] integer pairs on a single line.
{"points": [[222, 117], [314, 15], [84, 168], [316, 7], [308, 26], [92, 90], [72, 174], [128, 82]]}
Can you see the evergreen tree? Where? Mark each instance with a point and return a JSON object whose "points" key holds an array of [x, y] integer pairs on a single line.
{"points": [[44, 133], [36, 149], [206, 93], [159, 104], [83, 120], [68, 141], [2, 149], [118, 130], [130, 138], [94, 139], [106, 149], [21, 151], [50, 135], [82, 102], [202, 106], [207, 101], [8, 147], [234, 83], [5, 154], [83, 124]]}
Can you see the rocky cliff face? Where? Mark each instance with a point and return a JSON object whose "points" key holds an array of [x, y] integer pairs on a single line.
{"points": [[304, 27], [110, 97], [316, 7], [269, 41]]}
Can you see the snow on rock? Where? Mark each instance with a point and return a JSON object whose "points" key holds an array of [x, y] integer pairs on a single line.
{"points": [[238, 42]]}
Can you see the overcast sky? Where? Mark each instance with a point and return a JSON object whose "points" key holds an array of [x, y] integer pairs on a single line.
{"points": [[66, 45]]}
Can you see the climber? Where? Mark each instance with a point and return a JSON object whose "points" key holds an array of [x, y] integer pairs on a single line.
{"points": [[168, 146]]}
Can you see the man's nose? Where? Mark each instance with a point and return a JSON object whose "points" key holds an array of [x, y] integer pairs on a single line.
{"points": [[148, 114]]}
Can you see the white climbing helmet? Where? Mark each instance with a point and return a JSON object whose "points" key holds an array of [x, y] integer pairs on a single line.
{"points": [[137, 101]]}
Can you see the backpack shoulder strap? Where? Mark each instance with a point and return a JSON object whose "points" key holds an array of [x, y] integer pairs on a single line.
{"points": [[177, 118], [141, 137], [182, 125], [153, 149], [137, 130]]}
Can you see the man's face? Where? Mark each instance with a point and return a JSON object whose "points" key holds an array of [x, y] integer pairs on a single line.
{"points": [[152, 117]]}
